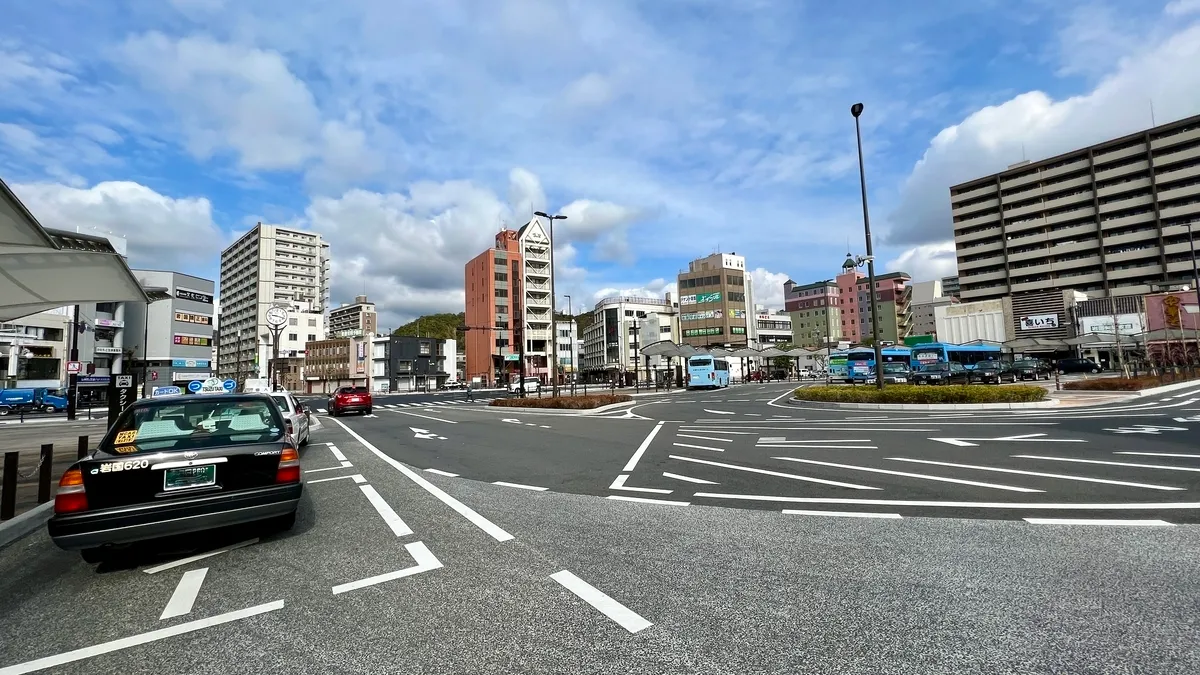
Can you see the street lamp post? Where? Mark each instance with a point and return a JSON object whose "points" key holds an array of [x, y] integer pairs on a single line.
{"points": [[857, 110], [571, 347], [553, 315]]}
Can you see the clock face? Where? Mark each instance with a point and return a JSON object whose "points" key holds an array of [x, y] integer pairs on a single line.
{"points": [[276, 316]]}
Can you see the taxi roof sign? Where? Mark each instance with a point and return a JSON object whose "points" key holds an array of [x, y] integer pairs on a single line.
{"points": [[159, 392], [213, 385]]}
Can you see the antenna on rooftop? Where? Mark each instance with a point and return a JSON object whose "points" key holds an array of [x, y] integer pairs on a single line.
{"points": [[1152, 122]]}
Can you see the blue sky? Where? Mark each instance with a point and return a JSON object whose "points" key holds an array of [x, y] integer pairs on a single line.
{"points": [[408, 132]]}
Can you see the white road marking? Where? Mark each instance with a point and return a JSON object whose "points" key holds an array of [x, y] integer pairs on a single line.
{"points": [[518, 485], [697, 447], [322, 410], [719, 412], [738, 400], [826, 447], [425, 559], [337, 454], [389, 515], [358, 478], [753, 414], [1084, 479], [191, 559], [1105, 463], [1160, 454], [1098, 521], [921, 476], [619, 484], [689, 479], [343, 465], [1016, 506], [705, 438], [852, 430], [719, 431], [642, 448], [643, 500], [1023, 438], [441, 402], [135, 640], [325, 480], [427, 417], [625, 617], [442, 473], [842, 514], [766, 472], [493, 530], [185, 594]]}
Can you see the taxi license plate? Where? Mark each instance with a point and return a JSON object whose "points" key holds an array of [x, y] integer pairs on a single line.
{"points": [[190, 476]]}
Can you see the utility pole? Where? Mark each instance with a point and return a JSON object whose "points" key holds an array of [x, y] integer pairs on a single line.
{"points": [[73, 378]]}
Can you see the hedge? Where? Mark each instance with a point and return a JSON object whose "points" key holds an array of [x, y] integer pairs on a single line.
{"points": [[585, 402], [1123, 383], [910, 393]]}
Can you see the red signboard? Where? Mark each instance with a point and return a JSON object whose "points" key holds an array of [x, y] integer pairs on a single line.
{"points": [[1172, 311]]}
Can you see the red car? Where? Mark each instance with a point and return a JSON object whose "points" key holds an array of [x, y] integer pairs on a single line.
{"points": [[350, 399]]}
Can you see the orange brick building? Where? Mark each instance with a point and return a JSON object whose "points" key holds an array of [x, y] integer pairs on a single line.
{"points": [[493, 310]]}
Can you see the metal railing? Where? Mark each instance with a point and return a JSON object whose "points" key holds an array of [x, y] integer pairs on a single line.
{"points": [[43, 470]]}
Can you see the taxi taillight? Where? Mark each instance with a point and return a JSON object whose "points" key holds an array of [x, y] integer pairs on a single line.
{"points": [[289, 467], [71, 496], [290, 429]]}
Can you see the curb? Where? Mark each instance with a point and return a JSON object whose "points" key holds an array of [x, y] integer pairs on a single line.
{"points": [[561, 411], [15, 528], [925, 406], [1168, 388]]}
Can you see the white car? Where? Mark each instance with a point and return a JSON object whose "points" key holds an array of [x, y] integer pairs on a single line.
{"points": [[532, 385], [295, 413]]}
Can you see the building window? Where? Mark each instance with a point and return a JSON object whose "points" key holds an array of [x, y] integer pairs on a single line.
{"points": [[312, 323], [293, 337], [311, 337], [106, 307], [425, 349]]}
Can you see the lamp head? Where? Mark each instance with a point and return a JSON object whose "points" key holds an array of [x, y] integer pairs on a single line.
{"points": [[856, 110]]}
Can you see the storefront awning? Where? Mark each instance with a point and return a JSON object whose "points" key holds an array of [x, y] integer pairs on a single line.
{"points": [[43, 269]]}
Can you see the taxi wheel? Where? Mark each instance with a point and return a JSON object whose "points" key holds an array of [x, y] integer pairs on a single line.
{"points": [[281, 523], [93, 556]]}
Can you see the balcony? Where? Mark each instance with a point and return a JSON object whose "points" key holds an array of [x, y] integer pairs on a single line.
{"points": [[535, 255]]}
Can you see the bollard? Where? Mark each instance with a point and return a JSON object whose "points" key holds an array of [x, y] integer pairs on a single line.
{"points": [[46, 466], [83, 446], [8, 489]]}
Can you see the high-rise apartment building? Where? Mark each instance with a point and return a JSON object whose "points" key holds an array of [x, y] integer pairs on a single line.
{"points": [[714, 295], [950, 287], [354, 319], [1113, 218], [269, 264]]}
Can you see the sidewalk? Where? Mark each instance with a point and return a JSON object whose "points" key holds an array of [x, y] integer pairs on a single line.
{"points": [[28, 442]]}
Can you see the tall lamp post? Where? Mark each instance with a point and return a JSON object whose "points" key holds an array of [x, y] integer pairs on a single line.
{"points": [[553, 314], [857, 110]]}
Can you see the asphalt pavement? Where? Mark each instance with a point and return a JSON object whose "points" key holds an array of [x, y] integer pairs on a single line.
{"points": [[460, 538]]}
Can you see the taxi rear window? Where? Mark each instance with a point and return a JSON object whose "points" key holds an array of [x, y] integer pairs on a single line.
{"points": [[193, 423]]}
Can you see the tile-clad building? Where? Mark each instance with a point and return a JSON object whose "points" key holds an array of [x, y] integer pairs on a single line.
{"points": [[1113, 218], [815, 311], [336, 362], [714, 295], [492, 285]]}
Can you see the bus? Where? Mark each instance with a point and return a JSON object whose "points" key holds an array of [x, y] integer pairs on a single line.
{"points": [[861, 361], [705, 371], [837, 364], [941, 352]]}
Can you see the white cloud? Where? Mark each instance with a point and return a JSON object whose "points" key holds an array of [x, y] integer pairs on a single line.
{"points": [[1034, 125], [1182, 7], [19, 138], [162, 232], [768, 288], [604, 223], [926, 262]]}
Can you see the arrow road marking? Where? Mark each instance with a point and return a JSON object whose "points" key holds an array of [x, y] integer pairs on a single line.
{"points": [[1145, 429], [424, 433], [1023, 438], [185, 594]]}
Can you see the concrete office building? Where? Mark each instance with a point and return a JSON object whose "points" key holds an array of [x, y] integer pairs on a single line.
{"points": [[171, 340], [1112, 218], [611, 343], [927, 296], [714, 296], [815, 311], [269, 264], [951, 287], [567, 351], [336, 362], [34, 350], [772, 328], [354, 319]]}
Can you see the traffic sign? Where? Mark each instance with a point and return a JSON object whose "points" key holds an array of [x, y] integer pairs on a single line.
{"points": [[124, 381], [74, 367], [229, 384], [195, 386]]}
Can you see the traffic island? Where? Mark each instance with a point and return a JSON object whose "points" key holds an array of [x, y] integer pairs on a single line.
{"points": [[1157, 382], [584, 402], [928, 397]]}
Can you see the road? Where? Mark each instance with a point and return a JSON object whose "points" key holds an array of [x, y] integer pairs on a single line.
{"points": [[395, 566]]}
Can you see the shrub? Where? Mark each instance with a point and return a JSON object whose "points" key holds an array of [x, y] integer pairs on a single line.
{"points": [[585, 402], [910, 393], [1124, 383]]}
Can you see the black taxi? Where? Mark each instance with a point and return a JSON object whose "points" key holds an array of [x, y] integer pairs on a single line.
{"points": [[178, 465]]}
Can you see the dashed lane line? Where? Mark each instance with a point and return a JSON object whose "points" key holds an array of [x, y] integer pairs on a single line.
{"points": [[1099, 521], [1085, 479], [622, 615], [689, 479], [642, 500], [906, 474], [520, 485], [842, 514], [767, 472]]}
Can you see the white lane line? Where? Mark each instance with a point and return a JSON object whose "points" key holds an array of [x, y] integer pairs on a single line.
{"points": [[753, 414], [442, 473], [780, 474], [1105, 463], [625, 617], [441, 403], [519, 485], [1016, 506], [720, 431], [619, 484], [852, 430], [322, 410], [642, 448], [191, 559], [185, 594], [493, 530], [135, 640], [337, 454], [643, 500], [1098, 521], [705, 438], [697, 447], [388, 405], [719, 412], [326, 480], [425, 559], [1084, 479], [343, 465], [920, 476], [738, 400], [1160, 454], [689, 479], [428, 417], [842, 514], [403, 405], [389, 515], [781, 439], [358, 478], [805, 447]]}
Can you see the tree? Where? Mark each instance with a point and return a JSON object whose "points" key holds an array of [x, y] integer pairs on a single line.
{"points": [[783, 362], [443, 326], [867, 342]]}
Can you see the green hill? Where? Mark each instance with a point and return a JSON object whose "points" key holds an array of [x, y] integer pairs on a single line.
{"points": [[443, 326]]}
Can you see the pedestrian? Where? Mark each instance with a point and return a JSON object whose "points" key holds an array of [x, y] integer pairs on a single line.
{"points": [[469, 397]]}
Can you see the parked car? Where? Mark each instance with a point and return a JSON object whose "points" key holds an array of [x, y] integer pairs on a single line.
{"points": [[1078, 366], [1032, 369], [987, 372], [295, 413], [532, 386], [177, 465], [941, 373], [896, 373], [350, 399]]}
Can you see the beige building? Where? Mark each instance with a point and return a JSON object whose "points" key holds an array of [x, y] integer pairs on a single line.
{"points": [[716, 302], [1112, 218], [337, 362], [354, 319]]}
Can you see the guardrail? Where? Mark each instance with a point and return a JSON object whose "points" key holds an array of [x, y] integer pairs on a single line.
{"points": [[44, 470]]}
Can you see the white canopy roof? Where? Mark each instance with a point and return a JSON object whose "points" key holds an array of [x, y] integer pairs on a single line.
{"points": [[43, 269]]}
